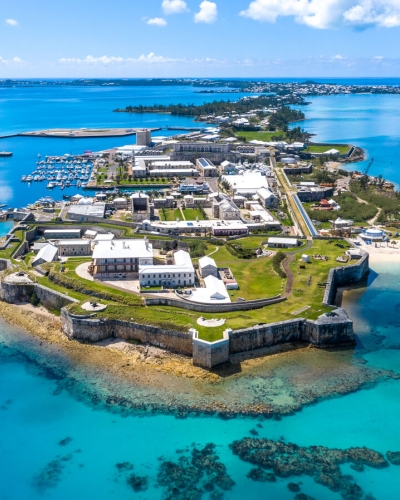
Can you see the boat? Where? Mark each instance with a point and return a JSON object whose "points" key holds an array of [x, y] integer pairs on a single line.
{"points": [[50, 185], [5, 153]]}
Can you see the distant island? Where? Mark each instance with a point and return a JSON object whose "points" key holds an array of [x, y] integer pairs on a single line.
{"points": [[207, 85]]}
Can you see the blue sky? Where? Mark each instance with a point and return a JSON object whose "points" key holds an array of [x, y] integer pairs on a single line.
{"points": [[194, 38]]}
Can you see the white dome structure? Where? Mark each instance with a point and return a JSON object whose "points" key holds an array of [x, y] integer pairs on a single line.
{"points": [[373, 234], [85, 201]]}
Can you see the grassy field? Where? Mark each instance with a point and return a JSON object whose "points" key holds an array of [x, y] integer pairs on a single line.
{"points": [[255, 277], [170, 214], [192, 213], [343, 149], [259, 136]]}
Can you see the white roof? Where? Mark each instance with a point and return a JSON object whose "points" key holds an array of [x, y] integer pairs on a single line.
{"points": [[86, 201], [73, 242], [183, 264], [265, 193], [121, 249], [104, 237], [46, 253], [171, 163], [213, 293], [206, 261], [89, 232], [332, 152], [290, 241], [182, 258], [123, 200], [248, 181]]}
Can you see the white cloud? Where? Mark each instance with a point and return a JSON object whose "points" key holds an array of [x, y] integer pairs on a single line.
{"points": [[338, 56], [15, 60], [208, 13], [174, 6], [150, 58], [157, 21], [12, 22], [325, 14]]}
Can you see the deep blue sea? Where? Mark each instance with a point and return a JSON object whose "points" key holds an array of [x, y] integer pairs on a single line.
{"points": [[41, 406]]}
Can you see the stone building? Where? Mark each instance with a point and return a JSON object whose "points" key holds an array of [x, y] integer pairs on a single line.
{"points": [[121, 258]]}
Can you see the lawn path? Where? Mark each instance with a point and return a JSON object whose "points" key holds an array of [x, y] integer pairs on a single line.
{"points": [[216, 250], [286, 267]]}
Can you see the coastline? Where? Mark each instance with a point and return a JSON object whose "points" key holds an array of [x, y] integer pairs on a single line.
{"points": [[288, 376]]}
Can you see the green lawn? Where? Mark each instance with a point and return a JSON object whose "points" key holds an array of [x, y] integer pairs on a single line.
{"points": [[342, 148], [192, 213], [255, 277], [170, 214], [12, 247], [259, 136]]}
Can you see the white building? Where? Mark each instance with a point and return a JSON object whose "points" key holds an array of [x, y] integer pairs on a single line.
{"points": [[213, 293], [208, 267], [226, 210], [181, 273], [247, 183], [282, 242], [267, 198], [48, 253], [72, 248], [121, 258]]}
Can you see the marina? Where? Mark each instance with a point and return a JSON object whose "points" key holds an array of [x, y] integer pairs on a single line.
{"points": [[63, 171]]}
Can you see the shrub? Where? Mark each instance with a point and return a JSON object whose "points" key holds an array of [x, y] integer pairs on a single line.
{"points": [[78, 286], [277, 260]]}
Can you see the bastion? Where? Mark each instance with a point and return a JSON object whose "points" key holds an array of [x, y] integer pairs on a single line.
{"points": [[329, 330]]}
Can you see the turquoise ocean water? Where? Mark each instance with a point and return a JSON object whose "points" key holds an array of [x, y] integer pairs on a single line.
{"points": [[42, 406]]}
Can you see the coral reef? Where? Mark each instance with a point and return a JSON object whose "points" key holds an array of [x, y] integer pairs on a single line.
{"points": [[50, 475], [393, 457], [194, 475], [258, 474], [319, 462], [65, 441], [138, 483]]}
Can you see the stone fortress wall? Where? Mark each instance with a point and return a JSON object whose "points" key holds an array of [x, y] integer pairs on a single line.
{"points": [[333, 330]]}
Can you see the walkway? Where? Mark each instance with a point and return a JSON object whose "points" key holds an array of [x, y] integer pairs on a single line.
{"points": [[286, 267]]}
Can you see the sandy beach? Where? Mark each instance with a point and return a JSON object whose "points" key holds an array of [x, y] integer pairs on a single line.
{"points": [[382, 252]]}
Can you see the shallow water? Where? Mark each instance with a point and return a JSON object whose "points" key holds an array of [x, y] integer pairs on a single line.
{"points": [[39, 408]]}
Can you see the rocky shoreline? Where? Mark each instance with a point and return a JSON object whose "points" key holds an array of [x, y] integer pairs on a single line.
{"points": [[128, 377]]}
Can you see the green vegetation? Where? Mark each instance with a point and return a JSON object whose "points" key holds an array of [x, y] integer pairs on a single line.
{"points": [[13, 247], [277, 260], [350, 208], [193, 213], [314, 148], [170, 214], [218, 108], [198, 248], [388, 201], [283, 116], [259, 136], [70, 280], [256, 277]]}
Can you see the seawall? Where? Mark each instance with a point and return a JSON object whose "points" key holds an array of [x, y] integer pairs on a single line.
{"points": [[92, 329]]}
